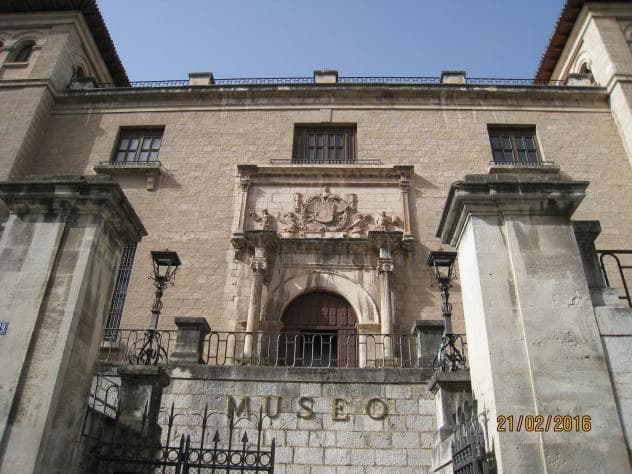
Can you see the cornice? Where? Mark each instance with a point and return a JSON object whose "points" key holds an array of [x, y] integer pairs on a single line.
{"points": [[440, 97]]}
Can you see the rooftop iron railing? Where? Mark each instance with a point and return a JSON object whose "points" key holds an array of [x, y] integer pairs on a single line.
{"points": [[342, 81], [616, 266]]}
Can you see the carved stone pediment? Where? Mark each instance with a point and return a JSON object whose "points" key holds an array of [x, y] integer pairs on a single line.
{"points": [[297, 202]]}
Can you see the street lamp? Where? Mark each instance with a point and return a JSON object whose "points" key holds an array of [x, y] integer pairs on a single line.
{"points": [[449, 357], [165, 264]]}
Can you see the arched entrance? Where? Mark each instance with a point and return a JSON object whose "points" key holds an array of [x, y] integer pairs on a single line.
{"points": [[319, 331]]}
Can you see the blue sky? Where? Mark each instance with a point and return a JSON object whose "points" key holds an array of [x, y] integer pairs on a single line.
{"points": [[167, 39]]}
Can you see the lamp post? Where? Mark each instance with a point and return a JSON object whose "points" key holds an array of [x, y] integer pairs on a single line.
{"points": [[165, 265], [449, 357]]}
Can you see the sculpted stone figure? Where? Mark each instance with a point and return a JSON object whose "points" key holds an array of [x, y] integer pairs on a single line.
{"points": [[291, 223], [383, 222], [265, 219], [358, 224]]}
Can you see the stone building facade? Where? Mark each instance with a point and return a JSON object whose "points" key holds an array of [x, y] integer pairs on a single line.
{"points": [[303, 212]]}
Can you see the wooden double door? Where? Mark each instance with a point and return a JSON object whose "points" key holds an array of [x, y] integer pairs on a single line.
{"points": [[319, 330]]}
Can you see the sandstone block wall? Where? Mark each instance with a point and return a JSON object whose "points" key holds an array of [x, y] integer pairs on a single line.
{"points": [[444, 135], [322, 424]]}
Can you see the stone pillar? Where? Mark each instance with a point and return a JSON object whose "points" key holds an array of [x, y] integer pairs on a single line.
{"points": [[262, 241], [386, 242], [451, 391], [533, 342], [59, 251], [586, 232], [367, 344], [405, 173], [190, 340], [139, 402], [429, 334]]}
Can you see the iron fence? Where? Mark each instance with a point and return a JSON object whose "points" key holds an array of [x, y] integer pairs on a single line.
{"points": [[616, 266], [311, 349], [125, 345], [342, 80], [124, 450], [333, 349]]}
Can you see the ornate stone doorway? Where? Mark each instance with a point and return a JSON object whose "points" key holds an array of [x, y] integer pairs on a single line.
{"points": [[319, 331]]}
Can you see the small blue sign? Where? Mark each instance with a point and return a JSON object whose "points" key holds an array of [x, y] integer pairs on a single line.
{"points": [[4, 325]]}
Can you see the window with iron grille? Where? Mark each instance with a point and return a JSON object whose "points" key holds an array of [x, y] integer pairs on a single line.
{"points": [[328, 144], [135, 144], [123, 273], [514, 145]]}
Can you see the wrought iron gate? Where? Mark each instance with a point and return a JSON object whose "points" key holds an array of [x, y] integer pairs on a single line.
{"points": [[468, 449], [120, 452]]}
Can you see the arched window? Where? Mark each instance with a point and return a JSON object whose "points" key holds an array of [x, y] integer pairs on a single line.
{"points": [[78, 73], [24, 53]]}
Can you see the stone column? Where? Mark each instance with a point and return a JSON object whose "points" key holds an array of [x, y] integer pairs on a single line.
{"points": [[262, 241], [405, 173], [59, 251], [386, 242], [533, 342]]}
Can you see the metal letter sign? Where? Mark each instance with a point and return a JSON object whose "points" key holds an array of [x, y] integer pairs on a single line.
{"points": [[4, 325]]}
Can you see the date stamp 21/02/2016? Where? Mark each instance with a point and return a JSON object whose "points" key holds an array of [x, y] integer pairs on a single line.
{"points": [[543, 423]]}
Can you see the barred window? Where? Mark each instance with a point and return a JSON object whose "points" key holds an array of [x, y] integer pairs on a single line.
{"points": [[123, 273], [513, 145], [329, 144], [137, 144]]}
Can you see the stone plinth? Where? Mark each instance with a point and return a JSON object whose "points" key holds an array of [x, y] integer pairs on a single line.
{"points": [[429, 334], [533, 341], [190, 340], [60, 248], [140, 397]]}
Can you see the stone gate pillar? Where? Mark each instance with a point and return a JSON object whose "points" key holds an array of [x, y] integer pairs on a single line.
{"points": [[533, 341], [58, 256]]}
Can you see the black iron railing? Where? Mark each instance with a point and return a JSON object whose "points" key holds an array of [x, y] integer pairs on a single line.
{"points": [[125, 345], [311, 349], [342, 81], [279, 161], [534, 164], [333, 349], [616, 266], [200, 450]]}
